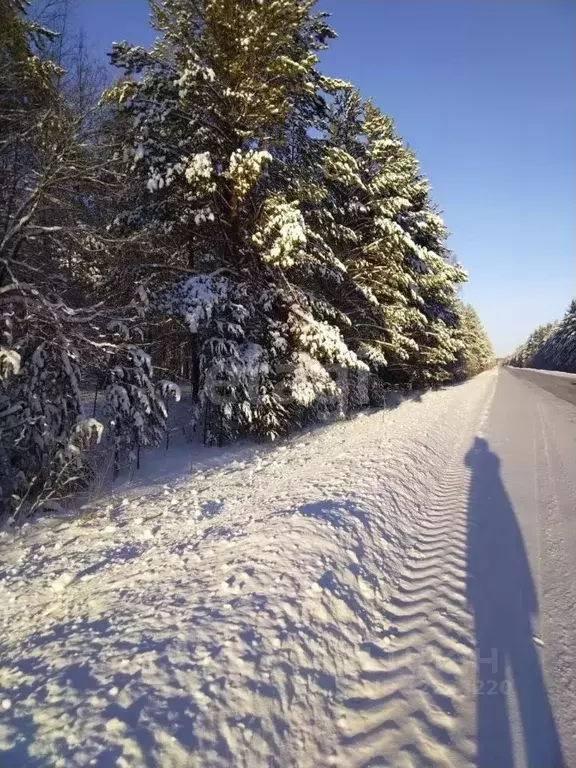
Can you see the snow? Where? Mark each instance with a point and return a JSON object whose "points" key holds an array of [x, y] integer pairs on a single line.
{"points": [[9, 362], [321, 339], [89, 427], [283, 234], [169, 388], [562, 374], [216, 617], [195, 299], [64, 580], [245, 169], [198, 167]]}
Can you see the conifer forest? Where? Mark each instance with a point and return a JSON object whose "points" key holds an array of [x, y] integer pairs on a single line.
{"points": [[220, 224], [269, 495]]}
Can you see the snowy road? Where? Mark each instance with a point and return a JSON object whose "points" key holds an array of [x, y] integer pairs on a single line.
{"points": [[397, 590], [562, 385]]}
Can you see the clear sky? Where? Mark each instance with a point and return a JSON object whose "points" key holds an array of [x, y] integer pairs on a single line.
{"points": [[483, 90]]}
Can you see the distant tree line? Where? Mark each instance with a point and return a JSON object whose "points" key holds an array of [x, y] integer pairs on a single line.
{"points": [[225, 217], [550, 347]]}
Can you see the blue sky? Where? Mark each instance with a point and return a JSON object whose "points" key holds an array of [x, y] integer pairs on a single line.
{"points": [[483, 92]]}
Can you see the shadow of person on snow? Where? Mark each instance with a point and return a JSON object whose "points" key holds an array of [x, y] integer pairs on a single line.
{"points": [[502, 597]]}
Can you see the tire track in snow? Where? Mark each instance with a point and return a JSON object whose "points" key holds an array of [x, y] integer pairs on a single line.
{"points": [[407, 707], [232, 639], [406, 702], [552, 483]]}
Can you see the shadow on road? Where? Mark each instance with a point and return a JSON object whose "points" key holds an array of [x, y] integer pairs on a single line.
{"points": [[502, 597]]}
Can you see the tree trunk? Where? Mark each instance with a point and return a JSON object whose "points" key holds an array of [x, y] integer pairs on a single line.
{"points": [[194, 367]]}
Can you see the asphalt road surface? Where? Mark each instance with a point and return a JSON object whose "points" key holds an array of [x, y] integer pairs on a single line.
{"points": [[563, 385], [522, 557]]}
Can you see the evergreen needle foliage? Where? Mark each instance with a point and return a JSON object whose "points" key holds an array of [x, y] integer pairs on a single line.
{"points": [[228, 218], [551, 347]]}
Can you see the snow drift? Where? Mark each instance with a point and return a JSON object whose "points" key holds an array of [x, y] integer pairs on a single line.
{"points": [[217, 619]]}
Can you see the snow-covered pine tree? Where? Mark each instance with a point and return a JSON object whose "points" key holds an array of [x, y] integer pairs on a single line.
{"points": [[53, 330], [524, 355], [434, 281], [389, 253], [476, 354], [219, 120], [345, 218], [135, 407], [382, 225], [557, 352]]}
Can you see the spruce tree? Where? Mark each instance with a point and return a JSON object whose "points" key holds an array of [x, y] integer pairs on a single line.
{"points": [[558, 350], [222, 100], [476, 354], [54, 328], [392, 243], [524, 355]]}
